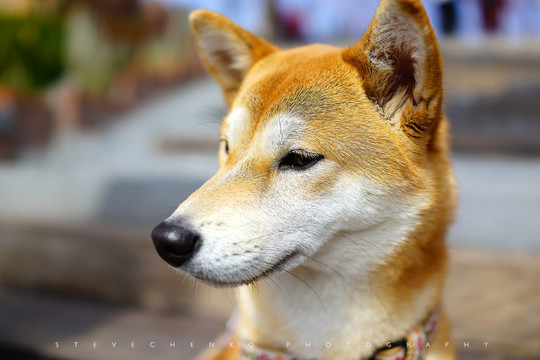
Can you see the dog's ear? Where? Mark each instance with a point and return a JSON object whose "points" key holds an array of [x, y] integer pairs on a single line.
{"points": [[227, 50], [400, 65]]}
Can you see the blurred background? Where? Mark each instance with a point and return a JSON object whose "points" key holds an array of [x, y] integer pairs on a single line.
{"points": [[108, 122]]}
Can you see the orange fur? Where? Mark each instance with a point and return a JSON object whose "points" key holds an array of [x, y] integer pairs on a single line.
{"points": [[373, 109]]}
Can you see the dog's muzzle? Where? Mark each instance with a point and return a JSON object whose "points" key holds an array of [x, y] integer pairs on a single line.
{"points": [[176, 243]]}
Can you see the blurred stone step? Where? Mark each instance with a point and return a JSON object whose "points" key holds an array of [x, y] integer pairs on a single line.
{"points": [[490, 297], [40, 327], [494, 297], [504, 123], [491, 95], [111, 264]]}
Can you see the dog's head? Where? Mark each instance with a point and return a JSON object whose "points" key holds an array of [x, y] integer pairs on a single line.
{"points": [[326, 153]]}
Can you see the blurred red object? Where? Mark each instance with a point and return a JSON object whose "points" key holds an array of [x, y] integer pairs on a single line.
{"points": [[491, 10]]}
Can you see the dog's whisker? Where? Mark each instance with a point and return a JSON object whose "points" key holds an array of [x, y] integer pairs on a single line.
{"points": [[277, 279], [301, 280], [271, 279], [396, 206], [196, 286], [344, 234], [328, 266], [193, 285], [309, 286], [277, 232], [227, 292], [217, 113], [184, 279]]}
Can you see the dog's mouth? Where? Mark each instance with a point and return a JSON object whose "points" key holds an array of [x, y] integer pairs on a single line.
{"points": [[231, 281]]}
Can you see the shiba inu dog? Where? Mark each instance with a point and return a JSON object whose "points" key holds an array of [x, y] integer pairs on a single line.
{"points": [[333, 196]]}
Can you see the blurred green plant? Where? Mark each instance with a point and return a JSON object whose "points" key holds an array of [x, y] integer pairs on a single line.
{"points": [[31, 51]]}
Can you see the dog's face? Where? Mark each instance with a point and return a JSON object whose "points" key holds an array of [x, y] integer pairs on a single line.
{"points": [[319, 143]]}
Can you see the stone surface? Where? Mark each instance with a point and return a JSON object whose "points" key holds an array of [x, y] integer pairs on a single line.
{"points": [[494, 297], [490, 297]]}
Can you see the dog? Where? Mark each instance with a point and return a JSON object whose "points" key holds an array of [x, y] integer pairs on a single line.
{"points": [[334, 193]]}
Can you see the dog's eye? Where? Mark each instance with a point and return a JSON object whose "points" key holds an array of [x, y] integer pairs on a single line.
{"points": [[299, 160], [225, 146]]}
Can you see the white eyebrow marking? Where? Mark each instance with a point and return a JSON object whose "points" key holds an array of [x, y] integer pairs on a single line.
{"points": [[235, 124], [280, 131]]}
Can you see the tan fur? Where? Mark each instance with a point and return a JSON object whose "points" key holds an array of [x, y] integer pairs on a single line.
{"points": [[374, 110]]}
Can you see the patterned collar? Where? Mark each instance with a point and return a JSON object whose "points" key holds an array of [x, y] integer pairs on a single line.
{"points": [[411, 347]]}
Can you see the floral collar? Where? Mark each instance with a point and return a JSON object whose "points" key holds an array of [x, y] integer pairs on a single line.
{"points": [[411, 347]]}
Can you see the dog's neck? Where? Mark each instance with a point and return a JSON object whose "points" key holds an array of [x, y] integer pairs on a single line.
{"points": [[311, 307], [411, 346]]}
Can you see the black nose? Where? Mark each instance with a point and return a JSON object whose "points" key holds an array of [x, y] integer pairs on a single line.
{"points": [[175, 243]]}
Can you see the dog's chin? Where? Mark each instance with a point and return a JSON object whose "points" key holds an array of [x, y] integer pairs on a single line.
{"points": [[217, 278]]}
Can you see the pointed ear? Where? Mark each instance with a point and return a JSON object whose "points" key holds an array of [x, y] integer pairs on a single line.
{"points": [[400, 65], [227, 50]]}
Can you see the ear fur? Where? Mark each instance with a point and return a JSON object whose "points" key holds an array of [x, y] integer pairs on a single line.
{"points": [[227, 50], [399, 62]]}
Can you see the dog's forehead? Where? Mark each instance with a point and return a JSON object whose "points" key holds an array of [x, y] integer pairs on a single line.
{"points": [[298, 85], [295, 80]]}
